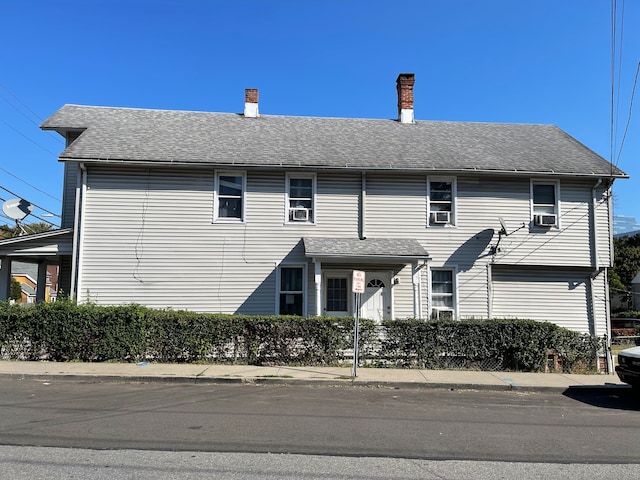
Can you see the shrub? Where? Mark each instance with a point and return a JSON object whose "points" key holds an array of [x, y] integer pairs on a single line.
{"points": [[64, 331], [506, 344]]}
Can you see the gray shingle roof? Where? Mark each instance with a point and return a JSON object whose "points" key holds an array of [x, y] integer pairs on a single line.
{"points": [[24, 268], [167, 136], [370, 247]]}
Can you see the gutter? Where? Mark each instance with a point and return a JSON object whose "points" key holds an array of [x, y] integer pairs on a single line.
{"points": [[338, 168]]}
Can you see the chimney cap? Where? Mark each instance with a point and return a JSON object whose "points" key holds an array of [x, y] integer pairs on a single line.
{"points": [[404, 85], [251, 103], [408, 78]]}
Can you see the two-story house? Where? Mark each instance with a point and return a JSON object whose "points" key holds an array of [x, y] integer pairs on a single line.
{"points": [[259, 214]]}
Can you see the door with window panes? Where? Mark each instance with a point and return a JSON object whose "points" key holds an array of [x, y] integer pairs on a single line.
{"points": [[376, 299]]}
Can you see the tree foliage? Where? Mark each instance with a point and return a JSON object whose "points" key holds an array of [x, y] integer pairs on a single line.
{"points": [[16, 290], [9, 232], [626, 263]]}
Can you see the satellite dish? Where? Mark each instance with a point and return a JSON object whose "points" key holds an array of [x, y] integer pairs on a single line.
{"points": [[17, 208], [503, 226], [503, 233]]}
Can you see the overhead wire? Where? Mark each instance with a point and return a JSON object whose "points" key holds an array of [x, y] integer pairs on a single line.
{"points": [[37, 124], [626, 128], [30, 185], [619, 38], [23, 135], [20, 101], [33, 115], [617, 42], [35, 205], [613, 83]]}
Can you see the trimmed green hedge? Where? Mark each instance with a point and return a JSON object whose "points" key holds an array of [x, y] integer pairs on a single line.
{"points": [[523, 345], [64, 331]]}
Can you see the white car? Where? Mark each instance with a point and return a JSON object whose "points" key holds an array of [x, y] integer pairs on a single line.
{"points": [[628, 368]]}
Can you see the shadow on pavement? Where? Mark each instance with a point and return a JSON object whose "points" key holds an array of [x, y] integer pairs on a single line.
{"points": [[619, 398]]}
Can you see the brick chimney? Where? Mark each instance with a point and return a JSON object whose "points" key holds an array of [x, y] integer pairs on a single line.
{"points": [[404, 84], [251, 103]]}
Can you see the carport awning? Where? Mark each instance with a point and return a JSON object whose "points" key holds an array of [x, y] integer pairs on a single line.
{"points": [[47, 245], [397, 250]]}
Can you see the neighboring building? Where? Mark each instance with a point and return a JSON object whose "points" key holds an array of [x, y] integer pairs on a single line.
{"points": [[635, 292], [623, 225], [259, 214], [26, 274]]}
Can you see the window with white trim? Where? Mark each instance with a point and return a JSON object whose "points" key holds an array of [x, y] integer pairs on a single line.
{"points": [[291, 290], [301, 194], [229, 201], [544, 203], [441, 194], [337, 294], [442, 294]]}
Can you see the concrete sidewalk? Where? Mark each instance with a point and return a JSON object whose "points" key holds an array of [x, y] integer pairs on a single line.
{"points": [[387, 377]]}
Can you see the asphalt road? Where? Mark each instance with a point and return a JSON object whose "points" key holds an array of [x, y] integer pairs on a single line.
{"points": [[47, 463], [425, 424]]}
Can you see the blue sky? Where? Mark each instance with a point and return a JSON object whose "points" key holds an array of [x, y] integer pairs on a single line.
{"points": [[537, 61]]}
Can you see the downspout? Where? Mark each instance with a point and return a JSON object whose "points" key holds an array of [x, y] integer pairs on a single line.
{"points": [[489, 291], [415, 280], [596, 272], [76, 233], [80, 231], [317, 278], [363, 207], [610, 367]]}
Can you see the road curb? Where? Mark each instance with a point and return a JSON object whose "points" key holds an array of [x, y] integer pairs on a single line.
{"points": [[333, 382]]}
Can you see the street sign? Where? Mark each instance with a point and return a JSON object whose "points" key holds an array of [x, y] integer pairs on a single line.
{"points": [[357, 287], [357, 283]]}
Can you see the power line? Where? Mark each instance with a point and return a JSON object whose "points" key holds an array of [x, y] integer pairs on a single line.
{"points": [[25, 106], [41, 219], [32, 186], [41, 208], [626, 128], [20, 101], [619, 81], [32, 141], [613, 82]]}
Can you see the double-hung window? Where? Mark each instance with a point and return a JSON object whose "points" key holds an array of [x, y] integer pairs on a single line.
{"points": [[301, 193], [442, 294], [441, 194], [544, 203], [230, 196], [291, 290], [337, 295]]}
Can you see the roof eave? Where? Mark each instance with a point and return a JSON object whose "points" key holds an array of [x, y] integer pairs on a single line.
{"points": [[356, 168]]}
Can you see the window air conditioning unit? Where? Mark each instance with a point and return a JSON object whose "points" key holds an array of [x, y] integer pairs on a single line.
{"points": [[300, 214], [440, 217], [546, 220]]}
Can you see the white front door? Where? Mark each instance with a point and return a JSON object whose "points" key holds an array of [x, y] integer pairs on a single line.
{"points": [[376, 299]]}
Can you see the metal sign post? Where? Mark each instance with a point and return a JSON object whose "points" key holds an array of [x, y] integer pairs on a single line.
{"points": [[357, 286]]}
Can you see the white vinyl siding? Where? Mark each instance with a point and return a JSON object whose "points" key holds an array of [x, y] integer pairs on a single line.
{"points": [[149, 238], [396, 206], [544, 295]]}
